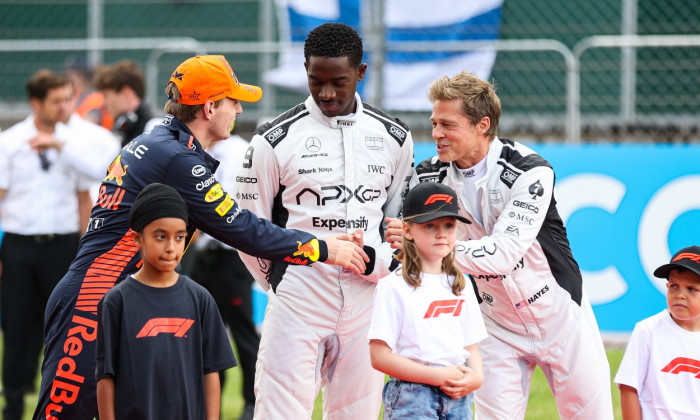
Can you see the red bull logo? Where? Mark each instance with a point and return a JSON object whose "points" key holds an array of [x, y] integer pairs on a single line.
{"points": [[116, 172], [309, 250]]}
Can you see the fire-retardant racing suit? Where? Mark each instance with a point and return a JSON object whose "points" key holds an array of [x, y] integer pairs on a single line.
{"points": [[530, 288], [326, 176], [170, 155]]}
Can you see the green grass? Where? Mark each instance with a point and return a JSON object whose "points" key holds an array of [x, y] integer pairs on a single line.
{"points": [[540, 407]]}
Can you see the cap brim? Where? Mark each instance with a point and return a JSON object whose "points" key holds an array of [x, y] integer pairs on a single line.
{"points": [[248, 93], [663, 271], [425, 218]]}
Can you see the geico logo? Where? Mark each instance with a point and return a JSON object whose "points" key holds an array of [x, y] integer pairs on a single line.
{"points": [[527, 206], [340, 192], [246, 180], [275, 134], [397, 132], [361, 223], [204, 184]]}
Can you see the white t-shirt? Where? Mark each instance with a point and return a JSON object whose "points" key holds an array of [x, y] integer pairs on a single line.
{"points": [[662, 362], [428, 324]]}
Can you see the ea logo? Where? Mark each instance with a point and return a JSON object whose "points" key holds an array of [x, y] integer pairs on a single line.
{"points": [[313, 144]]}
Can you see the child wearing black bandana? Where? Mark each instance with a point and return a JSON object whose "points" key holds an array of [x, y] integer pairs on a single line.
{"points": [[159, 333]]}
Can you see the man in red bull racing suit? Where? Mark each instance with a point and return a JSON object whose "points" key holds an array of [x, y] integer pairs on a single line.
{"points": [[204, 97]]}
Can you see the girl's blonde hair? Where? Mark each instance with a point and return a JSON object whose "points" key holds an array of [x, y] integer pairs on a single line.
{"points": [[411, 266]]}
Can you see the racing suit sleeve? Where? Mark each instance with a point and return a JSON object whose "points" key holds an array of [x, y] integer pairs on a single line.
{"points": [[381, 256], [215, 212], [257, 186], [515, 229]]}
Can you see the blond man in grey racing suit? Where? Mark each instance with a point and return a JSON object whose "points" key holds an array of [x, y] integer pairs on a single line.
{"points": [[517, 253]]}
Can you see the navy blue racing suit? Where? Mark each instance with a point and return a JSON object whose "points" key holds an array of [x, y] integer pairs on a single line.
{"points": [[170, 155]]}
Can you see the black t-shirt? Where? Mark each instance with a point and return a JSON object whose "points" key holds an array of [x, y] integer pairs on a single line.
{"points": [[157, 344]]}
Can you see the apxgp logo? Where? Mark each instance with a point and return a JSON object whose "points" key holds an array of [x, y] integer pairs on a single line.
{"points": [[683, 364], [176, 326], [439, 307]]}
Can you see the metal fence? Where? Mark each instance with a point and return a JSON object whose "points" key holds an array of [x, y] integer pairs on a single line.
{"points": [[598, 70]]}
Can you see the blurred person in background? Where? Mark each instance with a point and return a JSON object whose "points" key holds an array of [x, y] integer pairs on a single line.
{"points": [[90, 103], [44, 206], [124, 87], [219, 268]]}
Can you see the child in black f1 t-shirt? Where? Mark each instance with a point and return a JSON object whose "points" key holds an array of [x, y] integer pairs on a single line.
{"points": [[160, 339]]}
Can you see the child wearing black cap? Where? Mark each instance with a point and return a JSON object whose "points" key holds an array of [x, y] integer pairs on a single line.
{"points": [[659, 376], [160, 339], [426, 321]]}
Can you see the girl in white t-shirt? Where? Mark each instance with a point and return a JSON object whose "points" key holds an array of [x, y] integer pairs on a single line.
{"points": [[426, 321]]}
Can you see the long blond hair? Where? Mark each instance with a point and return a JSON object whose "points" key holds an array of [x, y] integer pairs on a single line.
{"points": [[411, 266]]}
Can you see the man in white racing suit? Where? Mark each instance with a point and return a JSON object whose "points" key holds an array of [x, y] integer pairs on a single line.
{"points": [[330, 165], [517, 253]]}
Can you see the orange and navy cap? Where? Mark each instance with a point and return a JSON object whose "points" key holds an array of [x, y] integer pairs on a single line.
{"points": [[688, 258], [210, 78]]}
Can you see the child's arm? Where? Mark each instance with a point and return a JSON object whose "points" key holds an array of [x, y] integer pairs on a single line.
{"points": [[105, 399], [473, 376], [629, 403], [212, 395], [406, 369]]}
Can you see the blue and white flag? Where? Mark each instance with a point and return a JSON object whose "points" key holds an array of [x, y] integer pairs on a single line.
{"points": [[406, 74]]}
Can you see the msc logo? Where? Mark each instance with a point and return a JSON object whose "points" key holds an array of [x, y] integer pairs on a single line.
{"points": [[438, 197], [342, 193], [247, 196], [683, 364], [176, 326], [439, 307]]}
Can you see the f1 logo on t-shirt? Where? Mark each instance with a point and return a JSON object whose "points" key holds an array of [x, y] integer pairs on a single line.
{"points": [[176, 326], [439, 307], [683, 364]]}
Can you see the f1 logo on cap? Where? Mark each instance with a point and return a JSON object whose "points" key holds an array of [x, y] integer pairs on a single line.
{"points": [[688, 256], [438, 197]]}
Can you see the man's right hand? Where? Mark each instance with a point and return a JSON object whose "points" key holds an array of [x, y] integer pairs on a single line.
{"points": [[346, 254], [394, 232]]}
